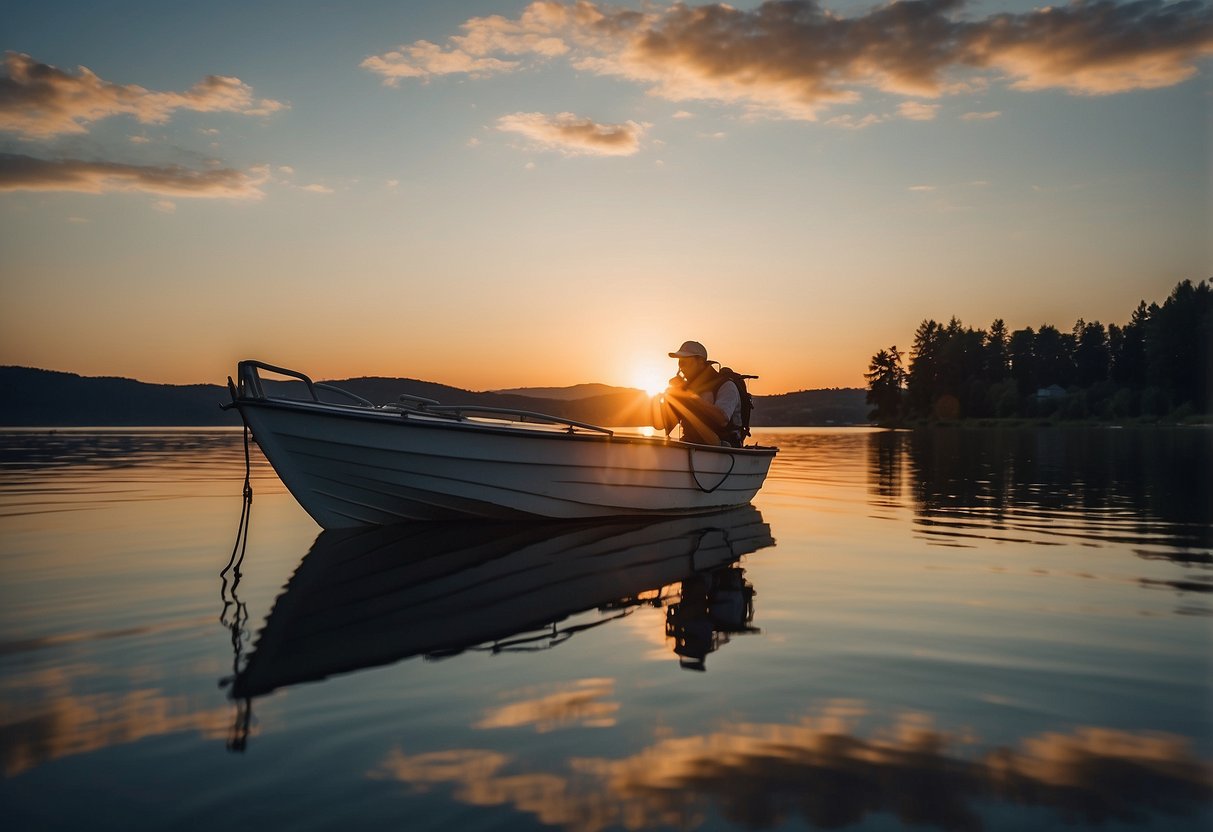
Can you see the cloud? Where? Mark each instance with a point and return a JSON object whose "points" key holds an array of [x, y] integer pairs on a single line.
{"points": [[918, 111], [1097, 48], [316, 188], [922, 188], [792, 58], [25, 173], [575, 136], [425, 60], [164, 206], [39, 101], [534, 33], [988, 116], [850, 122]]}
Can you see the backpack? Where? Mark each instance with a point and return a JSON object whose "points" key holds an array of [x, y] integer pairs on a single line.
{"points": [[738, 433]]}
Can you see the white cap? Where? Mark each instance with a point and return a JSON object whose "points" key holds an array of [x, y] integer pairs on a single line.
{"points": [[691, 349]]}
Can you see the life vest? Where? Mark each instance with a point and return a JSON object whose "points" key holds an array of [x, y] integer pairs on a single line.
{"points": [[711, 380]]}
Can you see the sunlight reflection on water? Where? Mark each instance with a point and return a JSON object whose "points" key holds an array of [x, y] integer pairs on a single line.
{"points": [[951, 629]]}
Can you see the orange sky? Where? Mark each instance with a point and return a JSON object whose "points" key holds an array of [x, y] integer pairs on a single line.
{"points": [[501, 194]]}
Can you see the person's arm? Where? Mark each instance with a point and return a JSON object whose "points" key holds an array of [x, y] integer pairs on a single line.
{"points": [[662, 415], [728, 400], [705, 420]]}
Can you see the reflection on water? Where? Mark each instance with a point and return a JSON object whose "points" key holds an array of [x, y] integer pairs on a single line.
{"points": [[367, 597], [46, 716], [1052, 487], [821, 769], [958, 630]]}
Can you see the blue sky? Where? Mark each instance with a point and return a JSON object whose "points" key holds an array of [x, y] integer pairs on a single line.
{"points": [[498, 194]]}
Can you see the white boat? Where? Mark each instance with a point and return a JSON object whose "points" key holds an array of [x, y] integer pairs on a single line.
{"points": [[357, 463]]}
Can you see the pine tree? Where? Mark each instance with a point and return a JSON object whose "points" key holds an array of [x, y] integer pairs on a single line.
{"points": [[886, 378]]}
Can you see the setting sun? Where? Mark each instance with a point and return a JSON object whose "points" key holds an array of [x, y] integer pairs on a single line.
{"points": [[651, 377]]}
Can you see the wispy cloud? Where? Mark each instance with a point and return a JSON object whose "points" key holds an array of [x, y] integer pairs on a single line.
{"points": [[476, 51], [918, 111], [792, 58], [851, 122], [987, 116], [573, 135], [40, 101], [25, 173], [425, 60], [316, 188]]}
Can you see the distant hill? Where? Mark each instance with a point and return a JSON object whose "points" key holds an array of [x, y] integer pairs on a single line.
{"points": [[43, 398], [577, 391], [835, 406]]}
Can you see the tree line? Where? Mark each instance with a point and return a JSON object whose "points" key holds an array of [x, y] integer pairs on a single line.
{"points": [[1157, 365]]}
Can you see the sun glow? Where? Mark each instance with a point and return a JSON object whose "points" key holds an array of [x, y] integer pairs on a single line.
{"points": [[651, 377]]}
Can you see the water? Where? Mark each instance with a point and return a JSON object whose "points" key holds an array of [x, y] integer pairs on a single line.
{"points": [[956, 630]]}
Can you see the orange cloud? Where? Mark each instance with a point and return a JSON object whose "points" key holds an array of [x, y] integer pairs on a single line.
{"points": [[25, 173], [790, 59], [425, 60], [1097, 48], [573, 135], [918, 111], [39, 101], [534, 33]]}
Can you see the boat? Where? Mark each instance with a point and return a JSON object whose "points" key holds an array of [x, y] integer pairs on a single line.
{"points": [[369, 597], [354, 463]]}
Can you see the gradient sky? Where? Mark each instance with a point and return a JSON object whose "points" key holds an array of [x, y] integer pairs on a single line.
{"points": [[499, 194]]}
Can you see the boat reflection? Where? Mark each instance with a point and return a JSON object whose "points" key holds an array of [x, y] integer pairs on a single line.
{"points": [[367, 597]]}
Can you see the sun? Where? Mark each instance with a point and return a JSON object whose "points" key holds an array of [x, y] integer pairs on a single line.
{"points": [[651, 376]]}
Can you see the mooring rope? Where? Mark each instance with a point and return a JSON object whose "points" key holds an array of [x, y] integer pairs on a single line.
{"points": [[695, 474], [237, 623], [246, 511]]}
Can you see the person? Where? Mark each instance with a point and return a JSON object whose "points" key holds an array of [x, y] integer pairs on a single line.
{"points": [[705, 403]]}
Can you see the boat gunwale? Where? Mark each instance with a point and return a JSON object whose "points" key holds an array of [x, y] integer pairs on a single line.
{"points": [[438, 422]]}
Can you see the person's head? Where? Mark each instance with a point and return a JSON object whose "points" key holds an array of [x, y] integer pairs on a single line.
{"points": [[692, 358]]}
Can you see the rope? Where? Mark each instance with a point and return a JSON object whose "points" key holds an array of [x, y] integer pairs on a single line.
{"points": [[695, 474], [246, 511], [237, 624]]}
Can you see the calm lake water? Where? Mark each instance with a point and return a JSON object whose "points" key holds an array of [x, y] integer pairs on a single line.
{"points": [[953, 630]]}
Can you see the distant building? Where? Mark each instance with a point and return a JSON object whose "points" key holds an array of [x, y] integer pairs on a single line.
{"points": [[1053, 391]]}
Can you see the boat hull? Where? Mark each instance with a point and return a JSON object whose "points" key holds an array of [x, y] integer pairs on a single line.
{"points": [[353, 467]]}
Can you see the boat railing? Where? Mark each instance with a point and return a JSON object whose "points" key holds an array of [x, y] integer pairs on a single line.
{"points": [[459, 411], [250, 378], [251, 387], [332, 388]]}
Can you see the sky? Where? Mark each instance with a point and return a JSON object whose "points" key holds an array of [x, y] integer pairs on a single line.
{"points": [[503, 194]]}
